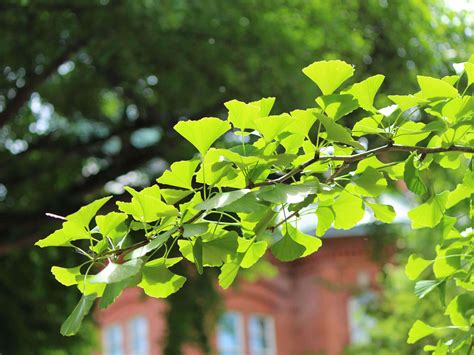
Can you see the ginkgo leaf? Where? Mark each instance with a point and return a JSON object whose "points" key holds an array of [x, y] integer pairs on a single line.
{"points": [[338, 133], [410, 133], [469, 69], [117, 272], [146, 205], [202, 133], [222, 199], [370, 183], [415, 266], [365, 91], [429, 214], [384, 213], [229, 271], [73, 323], [368, 125], [325, 219], [412, 177], [180, 174], [66, 276], [418, 331], [158, 281], [432, 88], [272, 126], [337, 106], [294, 244], [282, 193], [405, 102], [329, 75], [111, 225], [348, 209]]}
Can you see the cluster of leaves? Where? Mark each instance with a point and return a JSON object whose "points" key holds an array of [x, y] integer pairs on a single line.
{"points": [[245, 194]]}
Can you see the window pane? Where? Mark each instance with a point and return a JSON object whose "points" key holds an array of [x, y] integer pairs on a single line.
{"points": [[360, 323], [229, 338], [113, 340], [138, 336], [261, 335]]}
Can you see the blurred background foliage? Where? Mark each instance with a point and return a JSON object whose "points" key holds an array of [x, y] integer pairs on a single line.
{"points": [[89, 91]]}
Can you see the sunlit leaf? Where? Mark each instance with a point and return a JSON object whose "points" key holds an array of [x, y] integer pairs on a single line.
{"points": [[202, 133], [329, 75]]}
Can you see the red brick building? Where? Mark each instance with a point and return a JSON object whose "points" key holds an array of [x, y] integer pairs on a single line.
{"points": [[312, 307]]}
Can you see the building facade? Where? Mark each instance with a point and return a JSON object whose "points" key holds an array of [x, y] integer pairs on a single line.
{"points": [[313, 306]]}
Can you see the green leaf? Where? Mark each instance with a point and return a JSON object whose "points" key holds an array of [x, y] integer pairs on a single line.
{"points": [[365, 91], [460, 310], [154, 244], [418, 331], [229, 271], [429, 214], [287, 249], [338, 133], [370, 183], [368, 125], [194, 229], [202, 133], [66, 276], [325, 219], [73, 323], [462, 191], [282, 193], [243, 115], [415, 266], [222, 199], [329, 75], [410, 133], [469, 70], [337, 106], [384, 213], [117, 272], [76, 226], [348, 209], [180, 174], [432, 88], [405, 102], [158, 281], [197, 253], [302, 122], [113, 290], [295, 244], [85, 214], [412, 177], [172, 196], [146, 205], [111, 225], [215, 249], [272, 126], [254, 253], [447, 261], [423, 287]]}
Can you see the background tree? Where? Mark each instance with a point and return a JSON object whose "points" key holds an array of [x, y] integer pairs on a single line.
{"points": [[90, 90]]}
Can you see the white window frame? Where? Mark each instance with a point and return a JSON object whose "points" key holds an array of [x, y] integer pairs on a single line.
{"points": [[240, 349], [131, 333], [269, 334], [108, 349]]}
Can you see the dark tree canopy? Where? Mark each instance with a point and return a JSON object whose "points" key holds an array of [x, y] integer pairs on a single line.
{"points": [[89, 92]]}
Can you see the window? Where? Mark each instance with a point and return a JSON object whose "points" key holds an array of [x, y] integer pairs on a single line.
{"points": [[138, 336], [229, 334], [360, 322], [261, 335], [113, 340]]}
